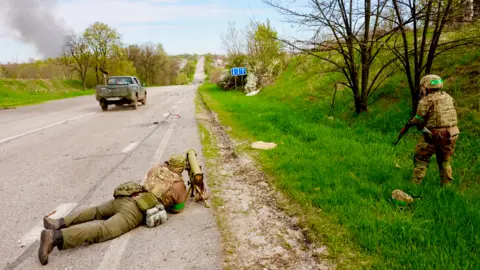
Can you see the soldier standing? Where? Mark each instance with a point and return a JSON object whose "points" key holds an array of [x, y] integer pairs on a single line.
{"points": [[164, 185], [437, 117]]}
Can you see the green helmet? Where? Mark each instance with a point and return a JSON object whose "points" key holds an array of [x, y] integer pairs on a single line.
{"points": [[177, 162], [431, 82]]}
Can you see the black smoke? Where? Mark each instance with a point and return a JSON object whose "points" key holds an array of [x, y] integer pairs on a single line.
{"points": [[35, 23]]}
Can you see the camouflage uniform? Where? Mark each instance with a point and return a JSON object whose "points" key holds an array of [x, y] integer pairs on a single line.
{"points": [[122, 214], [436, 112], [166, 183]]}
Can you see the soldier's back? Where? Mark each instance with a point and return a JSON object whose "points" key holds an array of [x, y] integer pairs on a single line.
{"points": [[159, 180], [443, 113]]}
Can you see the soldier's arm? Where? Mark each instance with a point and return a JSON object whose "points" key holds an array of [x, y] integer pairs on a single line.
{"points": [[179, 196], [422, 110]]}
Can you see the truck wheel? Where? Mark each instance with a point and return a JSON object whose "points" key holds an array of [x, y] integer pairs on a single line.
{"points": [[135, 104], [104, 106]]}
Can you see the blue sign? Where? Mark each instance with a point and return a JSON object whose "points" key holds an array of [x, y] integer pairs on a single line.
{"points": [[238, 71]]}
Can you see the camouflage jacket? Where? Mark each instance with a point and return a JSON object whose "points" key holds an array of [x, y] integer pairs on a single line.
{"points": [[436, 110], [160, 181]]}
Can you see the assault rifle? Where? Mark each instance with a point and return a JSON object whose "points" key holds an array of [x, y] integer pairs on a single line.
{"points": [[404, 130], [197, 187]]}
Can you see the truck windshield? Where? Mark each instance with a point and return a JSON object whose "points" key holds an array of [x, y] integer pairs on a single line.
{"points": [[119, 81]]}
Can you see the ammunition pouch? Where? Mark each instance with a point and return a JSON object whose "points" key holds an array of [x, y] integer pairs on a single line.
{"points": [[145, 201], [442, 134], [156, 216], [453, 131]]}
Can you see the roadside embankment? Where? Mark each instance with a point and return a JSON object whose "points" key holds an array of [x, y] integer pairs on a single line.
{"points": [[257, 231], [15, 93], [341, 170]]}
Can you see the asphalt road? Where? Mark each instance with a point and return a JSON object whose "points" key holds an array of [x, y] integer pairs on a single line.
{"points": [[67, 155]]}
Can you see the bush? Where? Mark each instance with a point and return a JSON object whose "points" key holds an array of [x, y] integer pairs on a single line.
{"points": [[215, 75], [227, 81], [252, 83]]}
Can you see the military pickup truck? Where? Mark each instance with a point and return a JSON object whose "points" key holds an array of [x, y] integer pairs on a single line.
{"points": [[121, 90]]}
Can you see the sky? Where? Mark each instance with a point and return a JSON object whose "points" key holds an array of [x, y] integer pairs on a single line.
{"points": [[182, 26]]}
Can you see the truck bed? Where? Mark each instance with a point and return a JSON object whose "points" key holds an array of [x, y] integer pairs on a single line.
{"points": [[112, 90]]}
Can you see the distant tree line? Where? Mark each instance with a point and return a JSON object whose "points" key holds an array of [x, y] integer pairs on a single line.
{"points": [[99, 50]]}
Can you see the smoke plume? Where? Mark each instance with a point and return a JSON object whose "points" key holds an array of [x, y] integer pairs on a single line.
{"points": [[34, 22]]}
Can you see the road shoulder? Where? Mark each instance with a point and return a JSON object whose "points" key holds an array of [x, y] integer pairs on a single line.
{"points": [[257, 232]]}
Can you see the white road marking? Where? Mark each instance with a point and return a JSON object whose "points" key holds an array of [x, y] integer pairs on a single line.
{"points": [[34, 233], [173, 109], [42, 128], [130, 147], [112, 257]]}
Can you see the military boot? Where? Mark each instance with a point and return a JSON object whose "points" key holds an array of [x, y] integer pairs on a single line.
{"points": [[445, 183], [53, 224], [48, 240]]}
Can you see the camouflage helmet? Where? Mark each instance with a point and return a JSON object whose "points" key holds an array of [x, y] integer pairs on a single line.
{"points": [[401, 198], [177, 162], [431, 81]]}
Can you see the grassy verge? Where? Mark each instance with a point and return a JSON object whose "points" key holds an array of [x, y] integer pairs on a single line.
{"points": [[15, 93], [346, 168]]}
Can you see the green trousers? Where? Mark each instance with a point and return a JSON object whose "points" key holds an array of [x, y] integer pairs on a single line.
{"points": [[118, 217]]}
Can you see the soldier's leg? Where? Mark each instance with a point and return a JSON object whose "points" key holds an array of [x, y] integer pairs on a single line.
{"points": [[128, 217], [444, 153], [102, 211], [421, 159]]}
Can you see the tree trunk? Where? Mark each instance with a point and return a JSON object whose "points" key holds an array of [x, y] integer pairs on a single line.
{"points": [[82, 77], [415, 100], [96, 74], [360, 105]]}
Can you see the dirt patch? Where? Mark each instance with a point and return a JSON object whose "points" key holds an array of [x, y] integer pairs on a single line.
{"points": [[257, 233]]}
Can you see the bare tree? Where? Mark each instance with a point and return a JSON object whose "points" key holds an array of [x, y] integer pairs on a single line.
{"points": [[76, 56], [233, 42], [429, 21], [348, 36]]}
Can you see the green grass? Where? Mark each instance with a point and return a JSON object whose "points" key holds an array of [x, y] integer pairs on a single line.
{"points": [[15, 93], [346, 167]]}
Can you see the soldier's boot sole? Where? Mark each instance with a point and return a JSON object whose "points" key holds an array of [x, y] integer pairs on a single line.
{"points": [[53, 224], [46, 245]]}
